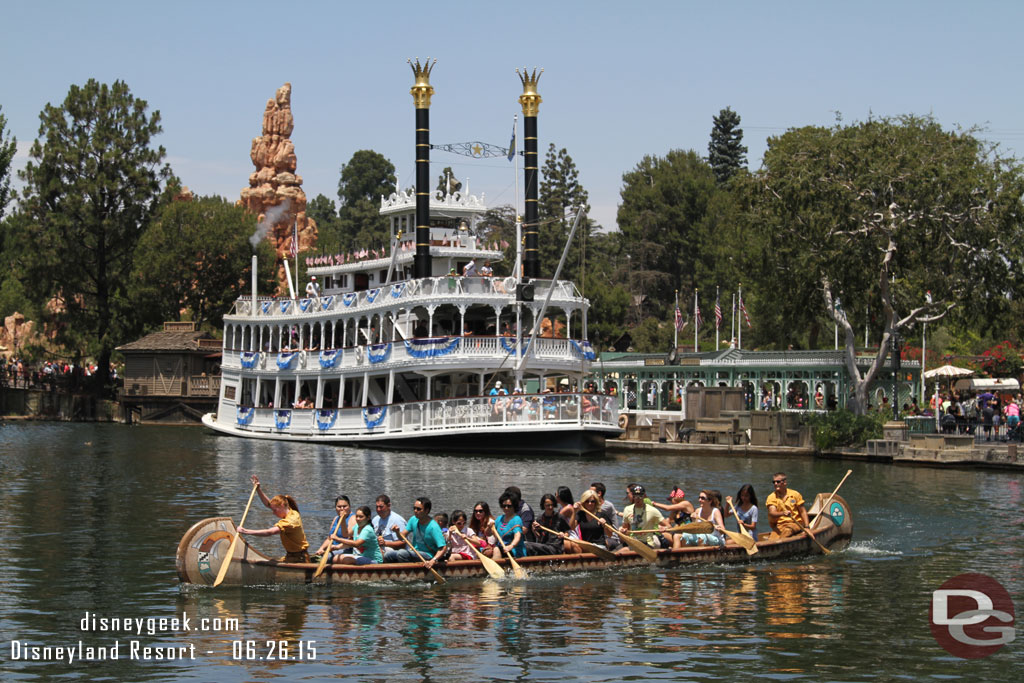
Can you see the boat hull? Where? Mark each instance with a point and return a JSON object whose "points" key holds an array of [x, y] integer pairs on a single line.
{"points": [[201, 549], [496, 439]]}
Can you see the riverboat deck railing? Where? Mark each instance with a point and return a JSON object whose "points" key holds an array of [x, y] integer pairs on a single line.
{"points": [[450, 287], [439, 415], [411, 351]]}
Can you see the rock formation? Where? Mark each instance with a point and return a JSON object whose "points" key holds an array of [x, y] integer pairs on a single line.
{"points": [[275, 191], [16, 334]]}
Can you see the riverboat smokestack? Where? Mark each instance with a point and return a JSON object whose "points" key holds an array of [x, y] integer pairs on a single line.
{"points": [[421, 92], [530, 101]]}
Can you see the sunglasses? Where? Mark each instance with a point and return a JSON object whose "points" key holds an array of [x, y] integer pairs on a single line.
{"points": [[506, 507], [702, 498], [478, 512], [416, 508], [779, 481]]}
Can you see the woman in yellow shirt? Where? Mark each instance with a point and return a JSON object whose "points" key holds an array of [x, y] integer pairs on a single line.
{"points": [[293, 538]]}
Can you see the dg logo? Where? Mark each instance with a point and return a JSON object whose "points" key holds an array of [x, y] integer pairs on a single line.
{"points": [[972, 616]]}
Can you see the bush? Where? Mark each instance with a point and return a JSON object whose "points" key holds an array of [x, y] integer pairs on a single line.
{"points": [[844, 428]]}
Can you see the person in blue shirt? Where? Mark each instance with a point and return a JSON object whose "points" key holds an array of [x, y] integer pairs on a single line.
{"points": [[424, 534], [382, 523], [509, 527]]}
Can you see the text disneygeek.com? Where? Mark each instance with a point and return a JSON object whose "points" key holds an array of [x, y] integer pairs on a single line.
{"points": [[137, 650]]}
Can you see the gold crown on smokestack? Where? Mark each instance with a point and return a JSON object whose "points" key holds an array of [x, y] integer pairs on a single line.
{"points": [[530, 99], [422, 90]]}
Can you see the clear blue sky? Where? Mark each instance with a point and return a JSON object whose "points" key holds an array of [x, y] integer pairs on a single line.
{"points": [[621, 79]]}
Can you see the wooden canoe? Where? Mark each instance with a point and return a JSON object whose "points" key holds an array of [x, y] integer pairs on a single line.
{"points": [[199, 556]]}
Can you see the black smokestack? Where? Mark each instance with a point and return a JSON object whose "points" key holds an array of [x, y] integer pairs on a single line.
{"points": [[530, 101], [421, 92]]}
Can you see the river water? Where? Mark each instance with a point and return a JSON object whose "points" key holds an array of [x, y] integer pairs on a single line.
{"points": [[92, 515]]}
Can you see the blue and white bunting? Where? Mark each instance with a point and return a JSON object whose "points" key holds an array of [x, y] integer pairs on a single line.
{"points": [[282, 419], [378, 353], [284, 360], [329, 358], [372, 417], [431, 347]]}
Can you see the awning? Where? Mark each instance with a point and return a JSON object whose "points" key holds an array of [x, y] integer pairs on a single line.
{"points": [[988, 384]]}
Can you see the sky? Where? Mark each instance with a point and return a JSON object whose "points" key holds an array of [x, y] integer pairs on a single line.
{"points": [[621, 80]]}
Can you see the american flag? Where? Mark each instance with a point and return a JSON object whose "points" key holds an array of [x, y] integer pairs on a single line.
{"points": [[718, 313], [697, 319], [679, 320], [295, 239], [743, 310]]}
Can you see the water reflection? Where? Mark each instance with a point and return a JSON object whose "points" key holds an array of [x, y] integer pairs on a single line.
{"points": [[93, 515]]}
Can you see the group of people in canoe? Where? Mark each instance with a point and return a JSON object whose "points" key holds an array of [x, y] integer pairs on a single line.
{"points": [[561, 524]]}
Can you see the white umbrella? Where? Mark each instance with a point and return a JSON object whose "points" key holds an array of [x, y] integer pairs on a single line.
{"points": [[948, 371]]}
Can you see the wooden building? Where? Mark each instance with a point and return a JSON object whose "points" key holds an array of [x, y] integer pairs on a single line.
{"points": [[171, 376]]}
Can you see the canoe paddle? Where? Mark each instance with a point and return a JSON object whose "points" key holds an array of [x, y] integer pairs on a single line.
{"points": [[829, 501], [492, 567], [327, 553], [744, 538], [636, 545], [591, 548], [223, 571], [700, 527], [517, 571], [810, 534], [413, 548]]}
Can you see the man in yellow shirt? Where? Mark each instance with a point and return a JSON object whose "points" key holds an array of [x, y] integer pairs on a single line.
{"points": [[786, 513]]}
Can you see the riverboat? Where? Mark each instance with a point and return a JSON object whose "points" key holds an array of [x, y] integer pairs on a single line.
{"points": [[200, 554], [414, 350]]}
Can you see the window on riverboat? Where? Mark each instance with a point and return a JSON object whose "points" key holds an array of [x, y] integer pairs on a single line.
{"points": [[248, 391]]}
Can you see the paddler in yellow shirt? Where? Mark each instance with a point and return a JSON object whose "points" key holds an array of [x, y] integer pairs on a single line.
{"points": [[293, 538]]}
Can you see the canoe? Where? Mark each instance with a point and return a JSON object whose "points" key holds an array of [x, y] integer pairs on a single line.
{"points": [[200, 553]]}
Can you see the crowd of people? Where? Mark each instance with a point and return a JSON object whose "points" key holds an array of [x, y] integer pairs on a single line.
{"points": [[985, 414], [49, 375], [562, 524]]}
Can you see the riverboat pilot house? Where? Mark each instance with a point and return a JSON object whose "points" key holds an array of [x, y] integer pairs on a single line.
{"points": [[172, 375]]}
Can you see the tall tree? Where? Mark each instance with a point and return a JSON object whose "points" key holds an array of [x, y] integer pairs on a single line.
{"points": [[195, 259], [560, 196], [91, 187], [364, 179], [328, 226], [8, 146], [664, 202], [883, 211], [726, 152]]}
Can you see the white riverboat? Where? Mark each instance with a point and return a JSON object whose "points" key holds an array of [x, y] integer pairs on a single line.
{"points": [[387, 359]]}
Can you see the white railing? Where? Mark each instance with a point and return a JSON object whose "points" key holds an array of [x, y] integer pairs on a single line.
{"points": [[457, 414], [452, 286], [407, 352]]}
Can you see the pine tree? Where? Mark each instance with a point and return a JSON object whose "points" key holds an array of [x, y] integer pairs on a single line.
{"points": [[726, 152], [561, 194]]}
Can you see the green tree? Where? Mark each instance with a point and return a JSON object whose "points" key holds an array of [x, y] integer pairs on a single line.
{"points": [[194, 259], [664, 203], [91, 187], [8, 146], [880, 212], [364, 179], [560, 196], [328, 226], [726, 152], [447, 182]]}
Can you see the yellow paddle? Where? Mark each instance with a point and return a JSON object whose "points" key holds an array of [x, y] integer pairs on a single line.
{"points": [[517, 571], [700, 527], [745, 539], [327, 553], [810, 534], [223, 571], [413, 548], [829, 501], [636, 545], [591, 548], [492, 567]]}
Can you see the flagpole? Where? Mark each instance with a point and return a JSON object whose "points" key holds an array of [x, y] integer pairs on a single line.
{"points": [[718, 319], [675, 323], [732, 319], [519, 223], [696, 323], [739, 325]]}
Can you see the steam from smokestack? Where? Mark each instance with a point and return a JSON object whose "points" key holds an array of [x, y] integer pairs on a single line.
{"points": [[270, 219]]}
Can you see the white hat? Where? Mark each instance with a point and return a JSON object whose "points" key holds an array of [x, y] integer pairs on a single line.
{"points": [[497, 384], [313, 277]]}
